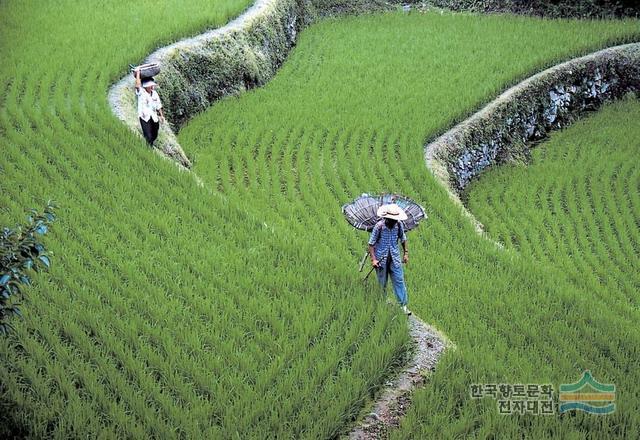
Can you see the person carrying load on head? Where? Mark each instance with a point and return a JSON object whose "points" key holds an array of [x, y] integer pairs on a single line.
{"points": [[149, 107], [385, 253]]}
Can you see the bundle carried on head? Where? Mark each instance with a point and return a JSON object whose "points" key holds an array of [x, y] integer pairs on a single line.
{"points": [[148, 70]]}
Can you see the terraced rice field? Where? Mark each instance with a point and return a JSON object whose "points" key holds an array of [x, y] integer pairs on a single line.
{"points": [[576, 209], [576, 205], [234, 310]]}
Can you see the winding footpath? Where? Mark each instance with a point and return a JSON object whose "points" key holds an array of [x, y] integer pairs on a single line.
{"points": [[121, 97], [395, 397], [551, 99]]}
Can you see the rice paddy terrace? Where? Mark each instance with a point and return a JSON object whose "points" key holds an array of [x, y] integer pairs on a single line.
{"points": [[233, 309]]}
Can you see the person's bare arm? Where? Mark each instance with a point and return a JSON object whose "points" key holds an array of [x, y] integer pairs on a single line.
{"points": [[138, 80], [372, 254], [405, 252], [161, 114]]}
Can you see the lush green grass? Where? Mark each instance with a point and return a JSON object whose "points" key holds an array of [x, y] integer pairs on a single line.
{"points": [[576, 205], [575, 210], [179, 311], [349, 113], [169, 312]]}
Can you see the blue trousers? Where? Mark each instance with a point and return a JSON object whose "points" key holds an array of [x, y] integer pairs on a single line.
{"points": [[388, 270]]}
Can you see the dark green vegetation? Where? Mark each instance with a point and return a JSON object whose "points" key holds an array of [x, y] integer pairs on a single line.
{"points": [[21, 253], [547, 8], [179, 311]]}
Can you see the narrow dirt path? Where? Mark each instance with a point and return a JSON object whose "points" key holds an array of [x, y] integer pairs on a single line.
{"points": [[395, 398]]}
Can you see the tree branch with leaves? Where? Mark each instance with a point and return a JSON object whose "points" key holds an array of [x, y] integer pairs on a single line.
{"points": [[21, 254]]}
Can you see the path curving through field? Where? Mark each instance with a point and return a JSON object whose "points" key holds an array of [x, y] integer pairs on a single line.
{"points": [[253, 167], [428, 343], [393, 401], [172, 313]]}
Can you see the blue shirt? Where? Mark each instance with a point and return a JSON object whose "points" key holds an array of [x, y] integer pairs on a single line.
{"points": [[385, 242]]}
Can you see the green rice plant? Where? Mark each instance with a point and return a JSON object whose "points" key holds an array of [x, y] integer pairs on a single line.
{"points": [[234, 309], [592, 237], [358, 96]]}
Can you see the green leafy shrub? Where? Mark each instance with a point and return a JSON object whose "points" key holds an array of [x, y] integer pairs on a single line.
{"points": [[20, 253]]}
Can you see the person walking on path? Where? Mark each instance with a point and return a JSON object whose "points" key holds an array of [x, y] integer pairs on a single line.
{"points": [[149, 108], [385, 253]]}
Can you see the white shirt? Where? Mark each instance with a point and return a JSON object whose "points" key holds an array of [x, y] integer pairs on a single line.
{"points": [[148, 104]]}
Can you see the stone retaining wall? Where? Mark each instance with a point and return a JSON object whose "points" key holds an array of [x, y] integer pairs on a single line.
{"points": [[544, 8], [227, 61], [506, 128]]}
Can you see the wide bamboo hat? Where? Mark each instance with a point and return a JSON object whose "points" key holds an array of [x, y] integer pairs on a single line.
{"points": [[392, 211]]}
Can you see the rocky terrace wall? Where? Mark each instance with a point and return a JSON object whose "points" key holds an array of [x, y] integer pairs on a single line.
{"points": [[226, 61], [506, 128]]}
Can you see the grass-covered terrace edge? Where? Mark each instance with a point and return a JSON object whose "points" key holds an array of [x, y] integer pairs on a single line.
{"points": [[248, 51], [508, 127], [227, 61]]}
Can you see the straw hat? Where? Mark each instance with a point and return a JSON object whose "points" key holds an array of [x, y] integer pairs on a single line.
{"points": [[392, 211]]}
